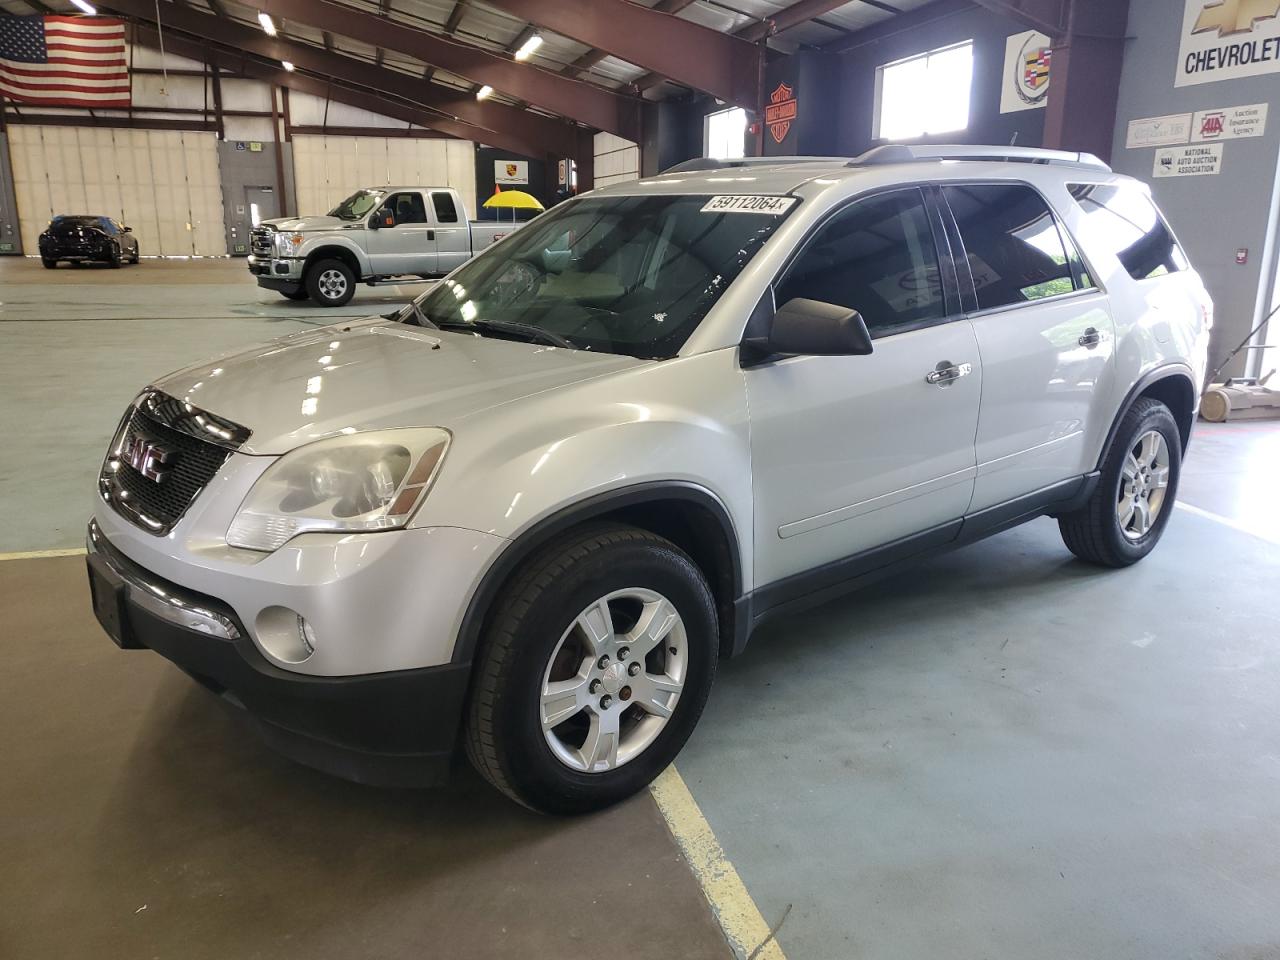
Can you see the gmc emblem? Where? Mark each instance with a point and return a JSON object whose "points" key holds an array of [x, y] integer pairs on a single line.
{"points": [[147, 457]]}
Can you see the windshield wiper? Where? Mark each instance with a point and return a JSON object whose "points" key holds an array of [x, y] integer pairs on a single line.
{"points": [[526, 330]]}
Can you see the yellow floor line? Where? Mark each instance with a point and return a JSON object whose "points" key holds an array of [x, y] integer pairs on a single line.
{"points": [[42, 554], [739, 917], [1227, 522]]}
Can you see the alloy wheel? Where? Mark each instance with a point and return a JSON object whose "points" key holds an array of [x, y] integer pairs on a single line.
{"points": [[612, 683], [333, 285], [1144, 483]]}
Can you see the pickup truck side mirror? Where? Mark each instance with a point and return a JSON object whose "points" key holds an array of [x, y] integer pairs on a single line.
{"points": [[810, 328], [383, 218]]}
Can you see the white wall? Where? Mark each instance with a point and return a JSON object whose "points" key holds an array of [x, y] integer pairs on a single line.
{"points": [[162, 183], [329, 168], [617, 160]]}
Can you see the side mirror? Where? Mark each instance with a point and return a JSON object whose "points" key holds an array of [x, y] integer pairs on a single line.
{"points": [[811, 328], [127, 229], [383, 218]]}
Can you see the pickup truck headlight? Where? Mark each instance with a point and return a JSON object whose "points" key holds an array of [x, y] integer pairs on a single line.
{"points": [[288, 244], [351, 484]]}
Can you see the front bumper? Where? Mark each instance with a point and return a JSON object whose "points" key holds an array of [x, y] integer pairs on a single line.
{"points": [[392, 729], [275, 271]]}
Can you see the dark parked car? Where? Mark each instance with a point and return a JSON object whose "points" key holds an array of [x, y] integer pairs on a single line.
{"points": [[79, 238]]}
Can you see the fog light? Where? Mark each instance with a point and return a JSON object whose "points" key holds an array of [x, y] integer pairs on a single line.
{"points": [[285, 634], [306, 635]]}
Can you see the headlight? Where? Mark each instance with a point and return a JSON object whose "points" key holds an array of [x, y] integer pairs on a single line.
{"points": [[288, 244], [357, 483]]}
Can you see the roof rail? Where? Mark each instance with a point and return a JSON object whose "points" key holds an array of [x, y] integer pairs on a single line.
{"points": [[711, 163], [906, 153]]}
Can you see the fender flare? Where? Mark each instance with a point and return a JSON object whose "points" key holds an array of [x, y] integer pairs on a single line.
{"points": [[328, 247], [541, 532], [1164, 372]]}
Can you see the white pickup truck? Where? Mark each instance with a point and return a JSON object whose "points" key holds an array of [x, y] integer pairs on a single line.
{"points": [[376, 235]]}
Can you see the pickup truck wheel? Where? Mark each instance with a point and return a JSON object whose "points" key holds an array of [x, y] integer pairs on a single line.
{"points": [[330, 283], [593, 671], [1125, 517]]}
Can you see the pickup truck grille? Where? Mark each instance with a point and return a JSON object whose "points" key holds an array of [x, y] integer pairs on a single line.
{"points": [[260, 241], [164, 454]]}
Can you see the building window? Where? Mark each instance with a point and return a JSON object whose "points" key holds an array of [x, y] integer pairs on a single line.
{"points": [[924, 95], [724, 134]]}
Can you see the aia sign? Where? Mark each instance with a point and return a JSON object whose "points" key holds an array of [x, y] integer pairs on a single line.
{"points": [[780, 111], [1213, 126]]}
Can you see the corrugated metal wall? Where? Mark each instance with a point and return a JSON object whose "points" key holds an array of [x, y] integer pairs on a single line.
{"points": [[162, 183], [329, 168]]}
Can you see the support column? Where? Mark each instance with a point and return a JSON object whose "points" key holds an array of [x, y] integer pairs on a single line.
{"points": [[1087, 61]]}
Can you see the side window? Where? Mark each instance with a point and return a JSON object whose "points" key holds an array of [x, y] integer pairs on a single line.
{"points": [[108, 225], [877, 256], [446, 210], [1015, 249], [407, 207], [1121, 219]]}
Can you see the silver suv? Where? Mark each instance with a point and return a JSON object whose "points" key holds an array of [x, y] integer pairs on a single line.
{"points": [[530, 514]]}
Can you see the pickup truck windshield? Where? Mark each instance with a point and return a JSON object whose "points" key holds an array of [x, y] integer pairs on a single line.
{"points": [[357, 205], [628, 275]]}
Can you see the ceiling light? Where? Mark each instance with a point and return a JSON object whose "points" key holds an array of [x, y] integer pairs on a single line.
{"points": [[86, 7], [530, 45], [484, 93], [268, 25], [287, 65]]}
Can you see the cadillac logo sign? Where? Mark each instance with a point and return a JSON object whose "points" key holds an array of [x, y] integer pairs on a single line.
{"points": [[780, 111]]}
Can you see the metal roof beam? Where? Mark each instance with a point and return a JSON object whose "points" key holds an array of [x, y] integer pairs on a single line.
{"points": [[537, 135], [559, 94], [724, 66]]}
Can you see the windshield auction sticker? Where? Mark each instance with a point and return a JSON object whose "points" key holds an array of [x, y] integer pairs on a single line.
{"points": [[773, 206]]}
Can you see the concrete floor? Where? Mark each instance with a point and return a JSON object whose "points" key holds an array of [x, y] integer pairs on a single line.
{"points": [[1004, 753]]}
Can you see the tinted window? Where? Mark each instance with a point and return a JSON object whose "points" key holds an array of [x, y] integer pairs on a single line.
{"points": [[876, 256], [1122, 220], [108, 225], [628, 275], [407, 207], [1015, 251], [446, 211]]}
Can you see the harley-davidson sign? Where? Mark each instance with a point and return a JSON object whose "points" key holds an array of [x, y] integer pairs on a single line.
{"points": [[780, 111]]}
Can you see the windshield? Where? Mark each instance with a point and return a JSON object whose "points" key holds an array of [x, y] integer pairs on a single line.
{"points": [[74, 220], [357, 205], [629, 275]]}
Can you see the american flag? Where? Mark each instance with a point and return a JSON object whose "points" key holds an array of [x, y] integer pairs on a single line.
{"points": [[63, 61]]}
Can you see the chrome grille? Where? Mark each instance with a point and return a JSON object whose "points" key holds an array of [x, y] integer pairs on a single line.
{"points": [[164, 454], [260, 241]]}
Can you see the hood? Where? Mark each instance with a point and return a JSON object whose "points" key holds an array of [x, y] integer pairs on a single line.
{"points": [[305, 224], [374, 374]]}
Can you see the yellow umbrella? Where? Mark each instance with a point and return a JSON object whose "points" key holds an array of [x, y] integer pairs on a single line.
{"points": [[513, 200]]}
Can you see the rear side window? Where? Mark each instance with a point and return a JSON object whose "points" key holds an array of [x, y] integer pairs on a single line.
{"points": [[1015, 248], [446, 210], [876, 256], [1121, 219]]}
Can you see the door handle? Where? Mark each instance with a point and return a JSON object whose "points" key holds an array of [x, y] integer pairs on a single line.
{"points": [[947, 372], [1090, 339], [431, 234]]}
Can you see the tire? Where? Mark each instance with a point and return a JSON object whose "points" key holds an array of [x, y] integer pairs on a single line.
{"points": [[1105, 530], [137, 257], [113, 259], [298, 294], [536, 636], [49, 264], [330, 283]]}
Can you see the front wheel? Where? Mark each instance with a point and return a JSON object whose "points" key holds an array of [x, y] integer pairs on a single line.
{"points": [[330, 283], [49, 264], [594, 670], [113, 257], [1126, 516]]}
